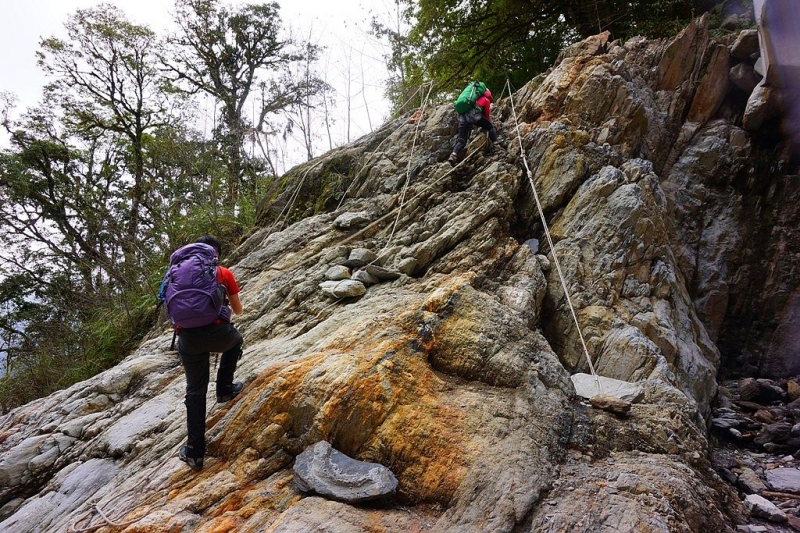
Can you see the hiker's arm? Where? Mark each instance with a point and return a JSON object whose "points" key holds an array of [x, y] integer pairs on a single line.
{"points": [[236, 303]]}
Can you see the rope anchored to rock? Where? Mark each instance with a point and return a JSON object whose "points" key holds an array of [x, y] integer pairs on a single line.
{"points": [[529, 175]]}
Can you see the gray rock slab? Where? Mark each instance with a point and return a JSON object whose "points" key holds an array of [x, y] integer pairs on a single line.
{"points": [[586, 387], [72, 487], [328, 472], [763, 508], [352, 220], [383, 274], [131, 429], [360, 257], [784, 479]]}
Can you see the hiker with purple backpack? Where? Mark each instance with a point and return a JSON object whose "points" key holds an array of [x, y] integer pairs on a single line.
{"points": [[199, 296]]}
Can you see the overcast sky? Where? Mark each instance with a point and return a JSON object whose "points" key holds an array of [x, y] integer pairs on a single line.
{"points": [[339, 25]]}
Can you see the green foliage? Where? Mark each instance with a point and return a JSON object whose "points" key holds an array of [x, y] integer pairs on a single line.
{"points": [[99, 185], [61, 346], [453, 41]]}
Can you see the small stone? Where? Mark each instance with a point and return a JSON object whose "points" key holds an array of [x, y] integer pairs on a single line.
{"points": [[351, 220], [381, 273], [748, 388], [346, 288], [609, 403], [764, 416], [793, 389], [750, 482], [364, 277], [360, 257], [407, 265], [337, 272]]}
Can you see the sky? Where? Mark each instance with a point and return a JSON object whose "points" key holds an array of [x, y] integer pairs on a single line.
{"points": [[341, 26]]}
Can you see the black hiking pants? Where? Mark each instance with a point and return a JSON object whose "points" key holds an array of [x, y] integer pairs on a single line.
{"points": [[194, 346], [465, 122]]}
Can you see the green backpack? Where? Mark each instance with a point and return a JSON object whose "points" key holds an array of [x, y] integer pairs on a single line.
{"points": [[466, 100]]}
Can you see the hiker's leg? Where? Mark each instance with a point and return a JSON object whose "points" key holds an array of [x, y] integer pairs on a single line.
{"points": [[196, 369], [487, 126], [231, 353], [464, 128]]}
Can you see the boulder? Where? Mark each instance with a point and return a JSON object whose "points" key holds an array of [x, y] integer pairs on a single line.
{"points": [[328, 472], [746, 44]]}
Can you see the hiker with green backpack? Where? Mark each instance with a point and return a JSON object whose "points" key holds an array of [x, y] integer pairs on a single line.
{"points": [[472, 106]]}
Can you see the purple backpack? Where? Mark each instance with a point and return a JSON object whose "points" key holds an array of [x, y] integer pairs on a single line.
{"points": [[190, 289]]}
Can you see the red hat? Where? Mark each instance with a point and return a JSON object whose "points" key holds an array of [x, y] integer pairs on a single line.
{"points": [[488, 94]]}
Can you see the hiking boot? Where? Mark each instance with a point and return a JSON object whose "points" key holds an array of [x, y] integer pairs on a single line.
{"points": [[236, 388], [453, 159], [195, 463]]}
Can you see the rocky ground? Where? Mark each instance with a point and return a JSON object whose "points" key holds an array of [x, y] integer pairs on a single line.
{"points": [[757, 424]]}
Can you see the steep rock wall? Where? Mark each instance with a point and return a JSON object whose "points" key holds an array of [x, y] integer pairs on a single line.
{"points": [[456, 374]]}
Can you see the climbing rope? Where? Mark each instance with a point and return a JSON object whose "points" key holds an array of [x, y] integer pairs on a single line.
{"points": [[550, 240], [408, 167], [377, 148], [288, 207]]}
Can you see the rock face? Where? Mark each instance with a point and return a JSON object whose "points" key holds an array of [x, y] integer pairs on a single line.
{"points": [[676, 233]]}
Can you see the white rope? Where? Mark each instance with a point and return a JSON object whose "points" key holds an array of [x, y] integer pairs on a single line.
{"points": [[550, 240], [377, 149], [288, 207], [408, 167]]}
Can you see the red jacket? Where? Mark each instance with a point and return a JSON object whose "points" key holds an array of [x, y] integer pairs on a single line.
{"points": [[485, 102]]}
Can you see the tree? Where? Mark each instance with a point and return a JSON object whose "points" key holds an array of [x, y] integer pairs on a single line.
{"points": [[452, 41], [399, 90], [311, 95], [106, 80], [221, 52]]}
